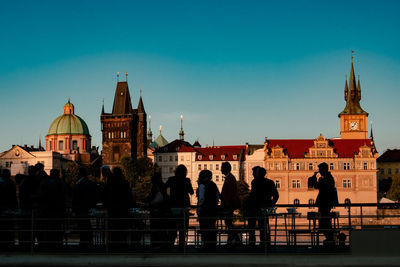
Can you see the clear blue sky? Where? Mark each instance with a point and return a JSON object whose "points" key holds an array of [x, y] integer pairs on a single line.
{"points": [[238, 71]]}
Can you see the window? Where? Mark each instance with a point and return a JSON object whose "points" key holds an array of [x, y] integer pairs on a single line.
{"points": [[8, 164], [205, 166], [331, 166], [217, 167], [310, 166], [346, 166], [199, 167], [234, 157], [170, 158], [112, 135], [382, 171], [211, 167], [217, 178], [278, 183], [60, 145], [396, 170], [199, 157], [365, 166], [311, 202], [295, 183], [211, 157], [277, 166], [296, 201], [160, 158], [297, 166], [74, 145], [50, 145], [346, 183], [176, 158], [223, 157], [389, 171]]}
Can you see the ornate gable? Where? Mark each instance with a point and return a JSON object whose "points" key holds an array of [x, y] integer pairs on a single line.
{"points": [[321, 149], [17, 152]]}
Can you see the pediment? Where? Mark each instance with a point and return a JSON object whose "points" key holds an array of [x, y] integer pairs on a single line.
{"points": [[17, 152]]}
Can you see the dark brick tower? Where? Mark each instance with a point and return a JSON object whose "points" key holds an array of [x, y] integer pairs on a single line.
{"points": [[122, 130]]}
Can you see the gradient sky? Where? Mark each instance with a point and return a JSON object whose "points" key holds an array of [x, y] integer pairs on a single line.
{"points": [[238, 71]]}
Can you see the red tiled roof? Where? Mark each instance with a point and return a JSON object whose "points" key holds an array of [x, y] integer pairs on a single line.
{"points": [[218, 151], [297, 148], [390, 155]]}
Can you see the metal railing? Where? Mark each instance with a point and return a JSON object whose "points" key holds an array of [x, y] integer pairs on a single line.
{"points": [[284, 228]]}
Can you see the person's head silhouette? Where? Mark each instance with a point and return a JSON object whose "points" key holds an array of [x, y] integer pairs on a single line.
{"points": [[255, 169], [226, 168], [323, 168], [181, 171]]}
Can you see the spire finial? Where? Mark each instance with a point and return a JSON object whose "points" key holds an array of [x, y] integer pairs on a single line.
{"points": [[102, 107], [126, 76], [149, 132], [117, 76], [352, 54], [372, 134], [160, 129], [181, 132], [141, 91]]}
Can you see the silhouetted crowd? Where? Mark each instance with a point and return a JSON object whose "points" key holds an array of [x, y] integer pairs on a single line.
{"points": [[47, 198]]}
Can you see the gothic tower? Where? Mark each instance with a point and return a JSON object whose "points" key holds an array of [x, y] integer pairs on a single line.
{"points": [[122, 129], [353, 119]]}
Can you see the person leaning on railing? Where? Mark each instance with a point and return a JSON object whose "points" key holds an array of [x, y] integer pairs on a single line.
{"points": [[263, 195], [327, 198], [84, 198], [207, 202], [8, 201]]}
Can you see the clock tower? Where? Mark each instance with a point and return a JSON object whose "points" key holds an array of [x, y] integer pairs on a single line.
{"points": [[353, 119]]}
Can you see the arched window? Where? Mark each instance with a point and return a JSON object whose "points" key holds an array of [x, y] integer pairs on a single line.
{"points": [[311, 202], [296, 202], [74, 145]]}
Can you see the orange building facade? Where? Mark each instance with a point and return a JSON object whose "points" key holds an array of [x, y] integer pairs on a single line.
{"points": [[351, 158]]}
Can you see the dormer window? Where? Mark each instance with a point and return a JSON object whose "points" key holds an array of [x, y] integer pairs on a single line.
{"points": [[234, 157], [199, 157], [223, 157], [211, 157]]}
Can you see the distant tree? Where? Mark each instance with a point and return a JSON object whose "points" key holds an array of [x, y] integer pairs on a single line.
{"points": [[384, 186], [138, 173], [71, 172], [394, 191]]}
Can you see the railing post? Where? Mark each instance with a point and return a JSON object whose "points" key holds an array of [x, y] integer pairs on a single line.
{"points": [[265, 231], [361, 216], [106, 236], [184, 231], [32, 228]]}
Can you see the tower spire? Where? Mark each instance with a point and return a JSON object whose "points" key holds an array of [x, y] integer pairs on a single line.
{"points": [[181, 132], [372, 134], [102, 107], [40, 143], [352, 94]]}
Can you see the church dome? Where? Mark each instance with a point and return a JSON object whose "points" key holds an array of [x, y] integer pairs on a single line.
{"points": [[68, 123]]}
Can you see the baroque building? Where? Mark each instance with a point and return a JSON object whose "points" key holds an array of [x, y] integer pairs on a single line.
{"points": [[124, 129], [68, 134], [352, 158]]}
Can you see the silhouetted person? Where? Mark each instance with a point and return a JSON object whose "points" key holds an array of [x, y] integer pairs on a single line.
{"points": [[51, 200], [326, 199], [207, 202], [229, 200], [180, 188], [28, 190], [118, 201], [159, 208], [8, 202], [263, 195], [84, 198]]}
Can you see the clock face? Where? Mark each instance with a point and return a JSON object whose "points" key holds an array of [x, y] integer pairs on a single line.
{"points": [[354, 125]]}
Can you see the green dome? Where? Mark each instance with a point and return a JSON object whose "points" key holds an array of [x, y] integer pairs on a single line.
{"points": [[68, 123]]}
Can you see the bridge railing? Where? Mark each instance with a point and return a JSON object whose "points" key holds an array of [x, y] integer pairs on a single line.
{"points": [[283, 228]]}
